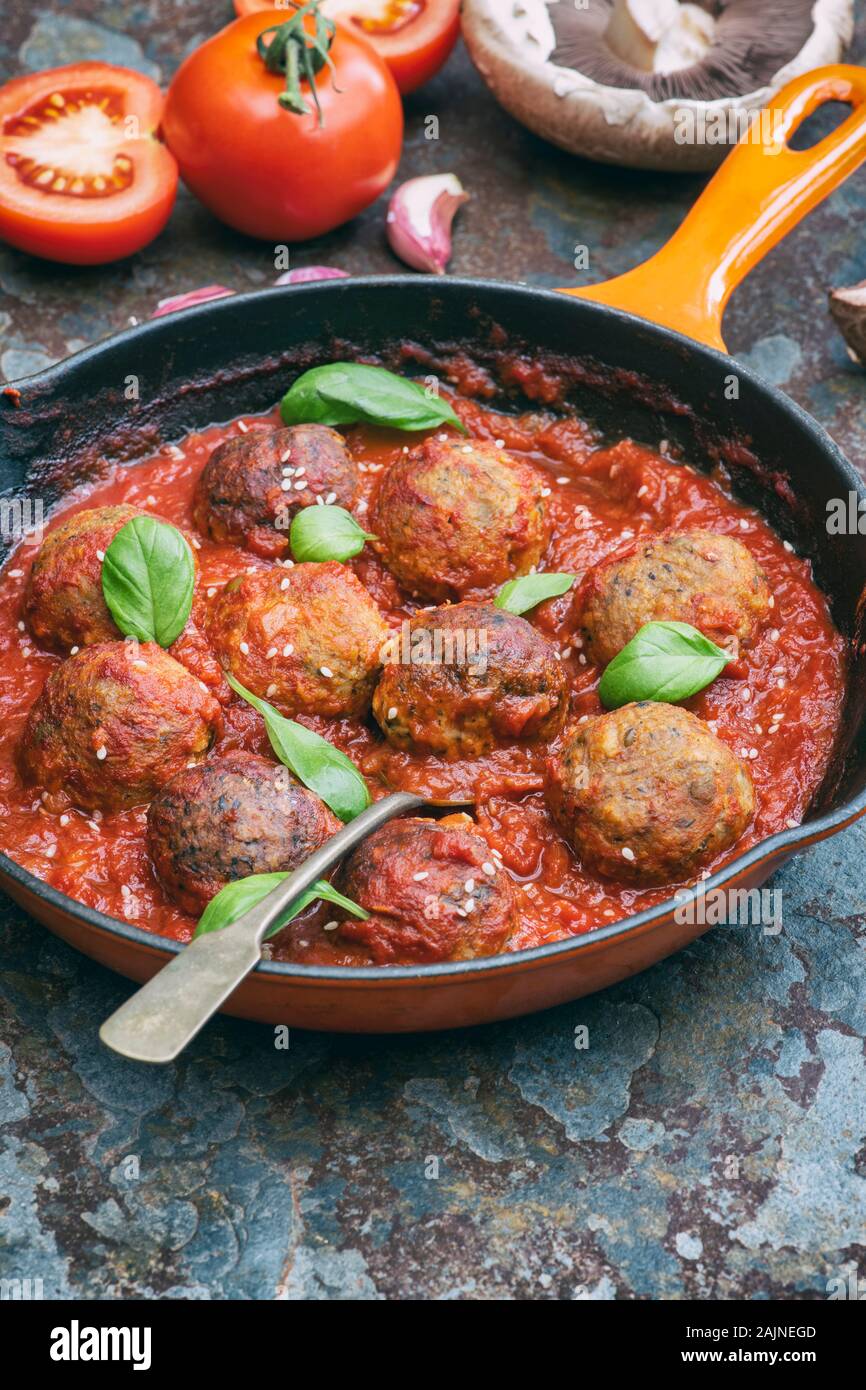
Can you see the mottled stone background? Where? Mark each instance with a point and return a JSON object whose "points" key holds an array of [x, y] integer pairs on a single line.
{"points": [[710, 1143]]}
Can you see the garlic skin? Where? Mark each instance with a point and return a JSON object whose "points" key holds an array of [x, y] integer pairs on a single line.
{"points": [[186, 301], [418, 224], [306, 274]]}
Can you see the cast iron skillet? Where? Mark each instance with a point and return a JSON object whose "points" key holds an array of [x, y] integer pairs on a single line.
{"points": [[236, 355]]}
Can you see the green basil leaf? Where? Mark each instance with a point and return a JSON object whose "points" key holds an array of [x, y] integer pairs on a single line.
{"points": [[519, 595], [148, 576], [663, 661], [326, 533], [346, 393], [238, 897], [313, 760]]}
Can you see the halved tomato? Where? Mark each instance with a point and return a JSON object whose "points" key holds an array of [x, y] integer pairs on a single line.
{"points": [[83, 177], [413, 36]]}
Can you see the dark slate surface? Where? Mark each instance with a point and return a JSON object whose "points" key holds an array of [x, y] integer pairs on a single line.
{"points": [[710, 1142]]}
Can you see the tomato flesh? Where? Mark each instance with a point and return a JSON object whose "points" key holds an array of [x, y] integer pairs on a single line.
{"points": [[82, 177]]}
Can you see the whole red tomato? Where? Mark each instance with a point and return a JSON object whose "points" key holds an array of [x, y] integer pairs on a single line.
{"points": [[82, 177], [415, 37], [265, 169]]}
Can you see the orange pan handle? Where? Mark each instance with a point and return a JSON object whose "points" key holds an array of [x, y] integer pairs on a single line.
{"points": [[760, 192]]}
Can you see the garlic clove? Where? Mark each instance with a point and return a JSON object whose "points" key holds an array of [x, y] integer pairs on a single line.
{"points": [[306, 273], [848, 307], [185, 301], [418, 224]]}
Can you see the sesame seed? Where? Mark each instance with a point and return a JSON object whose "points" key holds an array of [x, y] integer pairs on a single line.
{"points": [[419, 878], [469, 905], [788, 546], [64, 820], [443, 439], [288, 649], [242, 427], [20, 627], [271, 691], [582, 659], [744, 524], [25, 651], [563, 480], [196, 543], [392, 713], [204, 687], [467, 449], [331, 499], [744, 752], [497, 853], [150, 500], [320, 502], [245, 648], [545, 492], [100, 554], [93, 826], [102, 753], [771, 602], [299, 471], [330, 926], [326, 672], [288, 472], [627, 536], [15, 574], [500, 443], [566, 651], [792, 824], [211, 593], [140, 665], [753, 753], [488, 868], [643, 490], [50, 851], [272, 651], [405, 448], [284, 458], [627, 853], [284, 584], [469, 885], [746, 694], [301, 486], [774, 634], [286, 485]]}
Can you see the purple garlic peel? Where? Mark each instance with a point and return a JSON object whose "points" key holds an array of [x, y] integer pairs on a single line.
{"points": [[419, 220]]}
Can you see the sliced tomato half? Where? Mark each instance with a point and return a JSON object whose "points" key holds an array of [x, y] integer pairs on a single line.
{"points": [[83, 176], [413, 36]]}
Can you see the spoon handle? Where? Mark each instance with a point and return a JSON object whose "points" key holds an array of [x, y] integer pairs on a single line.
{"points": [[158, 1021]]}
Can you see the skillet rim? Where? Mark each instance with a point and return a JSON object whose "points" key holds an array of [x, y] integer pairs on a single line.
{"points": [[784, 843]]}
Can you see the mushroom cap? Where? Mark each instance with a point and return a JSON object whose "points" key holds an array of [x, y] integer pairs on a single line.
{"points": [[511, 44]]}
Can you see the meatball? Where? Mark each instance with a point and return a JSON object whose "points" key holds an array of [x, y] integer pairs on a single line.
{"points": [[231, 816], [467, 676], [253, 484], [452, 518], [309, 638], [692, 577], [63, 604], [648, 794], [434, 892], [114, 723]]}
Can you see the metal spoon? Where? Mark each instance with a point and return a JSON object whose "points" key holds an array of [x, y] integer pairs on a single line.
{"points": [[158, 1021]]}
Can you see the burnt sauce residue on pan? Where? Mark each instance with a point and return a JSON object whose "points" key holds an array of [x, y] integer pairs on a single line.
{"points": [[777, 709]]}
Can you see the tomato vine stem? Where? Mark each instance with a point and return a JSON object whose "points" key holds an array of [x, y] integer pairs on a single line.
{"points": [[299, 53]]}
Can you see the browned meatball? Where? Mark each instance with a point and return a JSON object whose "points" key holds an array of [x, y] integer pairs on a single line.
{"points": [[466, 677], [308, 638], [231, 816], [648, 794], [252, 485], [63, 604], [692, 577], [114, 723], [433, 890], [453, 518]]}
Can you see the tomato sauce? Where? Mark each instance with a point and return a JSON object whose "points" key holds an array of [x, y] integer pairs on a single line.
{"points": [[779, 708]]}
